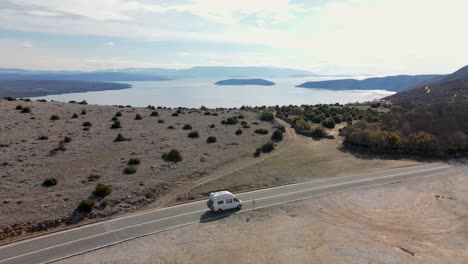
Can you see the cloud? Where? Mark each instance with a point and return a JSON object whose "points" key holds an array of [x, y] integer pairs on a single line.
{"points": [[110, 44]]}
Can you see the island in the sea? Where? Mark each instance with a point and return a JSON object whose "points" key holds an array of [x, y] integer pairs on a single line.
{"points": [[261, 82]]}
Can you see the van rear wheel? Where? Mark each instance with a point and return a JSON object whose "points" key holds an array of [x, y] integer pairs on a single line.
{"points": [[219, 210]]}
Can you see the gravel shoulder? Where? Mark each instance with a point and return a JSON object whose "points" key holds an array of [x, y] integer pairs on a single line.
{"points": [[421, 221]]}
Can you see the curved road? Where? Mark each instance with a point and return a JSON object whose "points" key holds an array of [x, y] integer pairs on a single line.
{"points": [[55, 246]]}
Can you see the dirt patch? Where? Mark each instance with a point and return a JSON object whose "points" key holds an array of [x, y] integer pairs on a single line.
{"points": [[396, 223]]}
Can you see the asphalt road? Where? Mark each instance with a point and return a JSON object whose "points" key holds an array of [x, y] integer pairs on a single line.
{"points": [[55, 246]]}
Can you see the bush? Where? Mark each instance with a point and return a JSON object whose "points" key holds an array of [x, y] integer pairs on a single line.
{"points": [[86, 206], [261, 131], [268, 147], [120, 138], [118, 114], [337, 119], [43, 138], [102, 190], [175, 114], [230, 121], [134, 161], [83, 102], [87, 124], [26, 110], [130, 170], [319, 132], [193, 134], [212, 126], [114, 118], [50, 182], [172, 156], [215, 114], [267, 116], [239, 132], [245, 126], [67, 139], [138, 117], [116, 124], [170, 127], [282, 129], [257, 153], [187, 127], [75, 115], [19, 107], [84, 112], [301, 124], [277, 135], [207, 113], [329, 123], [154, 113], [211, 139], [93, 177], [160, 121], [9, 98]]}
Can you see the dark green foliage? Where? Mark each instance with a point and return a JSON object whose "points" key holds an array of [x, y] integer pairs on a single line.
{"points": [[257, 153], [116, 124], [134, 161], [19, 107], [86, 206], [120, 138], [175, 114], [268, 147], [282, 129], [42, 100], [211, 139], [9, 98], [50, 182], [193, 134], [261, 131], [105, 203], [54, 117], [43, 138], [67, 139], [87, 124], [277, 135], [329, 123], [102, 190], [170, 127], [84, 112], [172, 156], [118, 114], [207, 113], [243, 123], [75, 115], [72, 102], [26, 110], [337, 119], [114, 118], [130, 170], [154, 113], [230, 121], [160, 121], [93, 177], [212, 126], [138, 117], [239, 132], [319, 132], [187, 127], [215, 114], [83, 102], [245, 126], [267, 116], [240, 117]]}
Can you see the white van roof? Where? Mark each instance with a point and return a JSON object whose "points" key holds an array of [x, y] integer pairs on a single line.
{"points": [[221, 194]]}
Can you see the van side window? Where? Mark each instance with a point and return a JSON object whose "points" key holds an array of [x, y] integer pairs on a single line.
{"points": [[221, 202], [228, 201]]}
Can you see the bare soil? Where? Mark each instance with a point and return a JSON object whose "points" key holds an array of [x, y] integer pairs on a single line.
{"points": [[421, 221]]}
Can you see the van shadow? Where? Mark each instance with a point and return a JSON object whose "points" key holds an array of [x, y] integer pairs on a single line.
{"points": [[210, 216]]}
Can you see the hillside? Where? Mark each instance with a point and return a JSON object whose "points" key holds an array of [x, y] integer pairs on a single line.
{"points": [[32, 88], [246, 82], [390, 83], [450, 89]]}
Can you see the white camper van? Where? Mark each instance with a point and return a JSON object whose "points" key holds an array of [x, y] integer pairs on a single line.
{"points": [[220, 201]]}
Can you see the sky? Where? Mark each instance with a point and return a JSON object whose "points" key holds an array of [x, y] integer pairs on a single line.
{"points": [[355, 37]]}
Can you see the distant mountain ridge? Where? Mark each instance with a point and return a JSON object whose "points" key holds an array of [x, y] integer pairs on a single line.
{"points": [[260, 82], [452, 88], [389, 83], [155, 74]]}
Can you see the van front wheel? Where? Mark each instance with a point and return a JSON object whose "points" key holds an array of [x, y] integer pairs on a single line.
{"points": [[219, 210], [239, 206]]}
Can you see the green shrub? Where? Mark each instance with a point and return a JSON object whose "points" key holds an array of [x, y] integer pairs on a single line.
{"points": [[193, 134], [114, 118], [50, 182], [230, 121], [130, 170], [170, 127], [187, 127], [175, 114], [212, 126], [245, 126], [118, 114], [84, 112], [120, 138], [116, 124], [329, 123], [83, 102], [102, 190], [26, 110], [268, 147], [67, 139], [87, 124], [43, 138], [86, 206], [267, 116], [138, 117], [301, 124], [243, 123], [54, 117], [154, 113], [337, 119], [19, 107], [261, 131], [93, 177], [215, 114], [240, 117], [211, 139], [75, 115], [160, 121], [134, 161], [239, 132], [282, 129], [257, 153], [105, 203], [319, 132], [277, 135], [172, 156], [207, 113]]}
